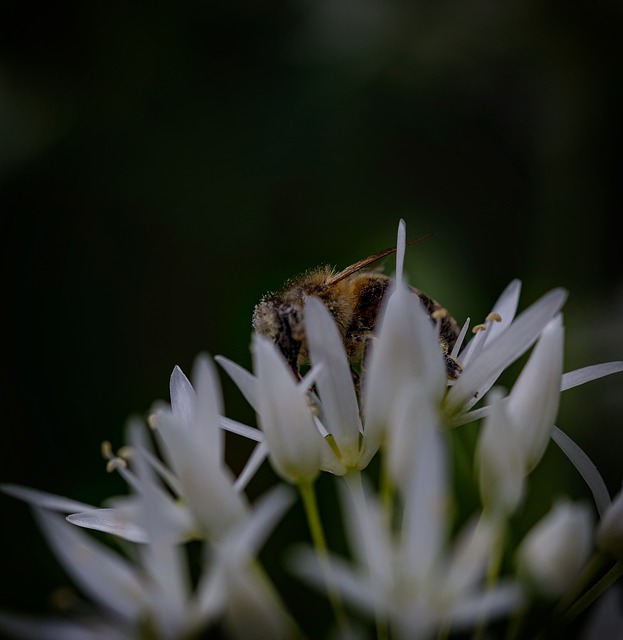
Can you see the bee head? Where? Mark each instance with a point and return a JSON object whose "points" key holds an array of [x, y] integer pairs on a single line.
{"points": [[283, 324]]}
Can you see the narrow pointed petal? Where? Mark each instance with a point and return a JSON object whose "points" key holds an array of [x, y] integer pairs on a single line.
{"points": [[482, 373], [588, 374], [468, 561], [118, 522], [233, 426], [245, 381], [103, 575], [183, 396], [285, 418], [585, 467], [400, 249], [162, 557], [353, 586], [534, 399], [260, 453], [207, 488], [425, 496], [506, 307], [406, 349], [208, 409], [335, 384], [499, 461], [413, 415], [503, 599], [45, 500]]}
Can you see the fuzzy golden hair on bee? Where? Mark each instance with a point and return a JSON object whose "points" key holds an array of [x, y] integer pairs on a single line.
{"points": [[353, 296]]}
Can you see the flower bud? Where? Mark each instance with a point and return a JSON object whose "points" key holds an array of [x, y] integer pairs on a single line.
{"points": [[556, 548]]}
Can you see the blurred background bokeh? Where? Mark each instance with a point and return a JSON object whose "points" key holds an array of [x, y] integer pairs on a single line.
{"points": [[163, 164]]}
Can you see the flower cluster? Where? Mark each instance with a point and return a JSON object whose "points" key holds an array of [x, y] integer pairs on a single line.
{"points": [[418, 565]]}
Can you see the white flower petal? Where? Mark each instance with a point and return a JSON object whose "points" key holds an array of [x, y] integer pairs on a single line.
{"points": [[335, 384], [506, 307], [118, 522], [468, 560], [406, 351], [245, 381], [45, 500], [209, 408], [103, 575], [183, 396], [425, 497], [533, 401], [354, 587], [260, 453], [585, 467], [207, 488], [400, 249], [482, 372], [285, 418], [504, 598], [588, 374], [233, 426], [500, 463]]}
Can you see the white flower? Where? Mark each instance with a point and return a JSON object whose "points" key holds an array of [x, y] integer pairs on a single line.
{"points": [[411, 577], [556, 548], [155, 593], [191, 441], [499, 345]]}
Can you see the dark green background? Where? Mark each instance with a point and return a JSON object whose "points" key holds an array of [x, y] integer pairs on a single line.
{"points": [[163, 164]]}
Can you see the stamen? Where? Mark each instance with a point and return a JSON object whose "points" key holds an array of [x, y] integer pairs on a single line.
{"points": [[116, 463], [106, 449], [494, 316], [152, 421], [439, 314], [479, 327], [126, 453], [459, 341]]}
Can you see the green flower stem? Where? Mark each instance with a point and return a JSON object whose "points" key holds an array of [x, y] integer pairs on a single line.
{"points": [[593, 593], [308, 494], [355, 486]]}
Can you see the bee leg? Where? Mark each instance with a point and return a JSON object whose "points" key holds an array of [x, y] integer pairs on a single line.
{"points": [[453, 368]]}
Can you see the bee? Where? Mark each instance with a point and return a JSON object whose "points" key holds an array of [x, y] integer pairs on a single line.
{"points": [[353, 296]]}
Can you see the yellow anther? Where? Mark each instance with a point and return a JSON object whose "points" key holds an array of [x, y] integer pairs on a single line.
{"points": [[106, 449], [494, 316], [479, 327], [126, 452], [439, 314], [152, 420]]}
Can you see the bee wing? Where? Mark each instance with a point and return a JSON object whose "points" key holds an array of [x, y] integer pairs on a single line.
{"points": [[360, 264]]}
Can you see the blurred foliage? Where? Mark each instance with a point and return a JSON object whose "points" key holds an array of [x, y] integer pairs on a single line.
{"points": [[163, 164]]}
